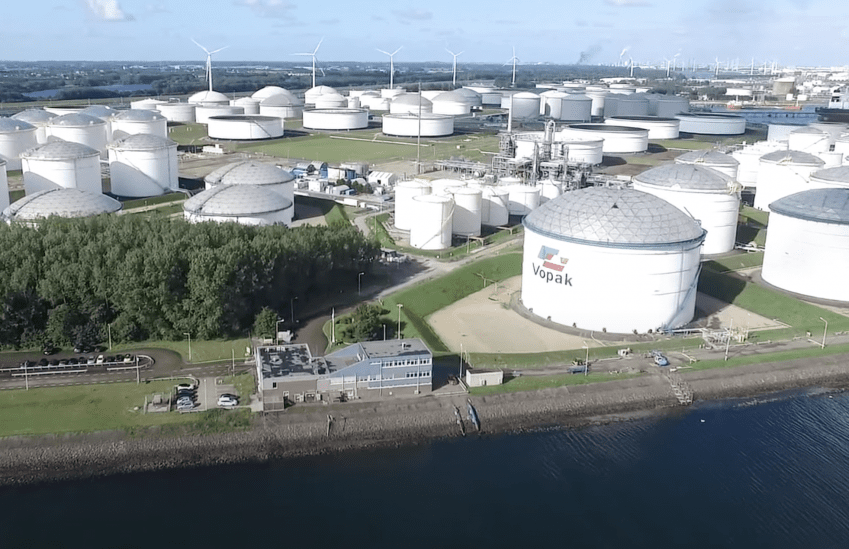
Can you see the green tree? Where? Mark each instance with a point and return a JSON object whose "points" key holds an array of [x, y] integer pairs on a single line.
{"points": [[265, 324]]}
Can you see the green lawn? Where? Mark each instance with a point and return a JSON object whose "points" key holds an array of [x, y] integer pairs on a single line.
{"points": [[535, 383], [689, 144], [188, 134], [813, 351], [245, 386], [143, 202], [202, 351], [736, 262]]}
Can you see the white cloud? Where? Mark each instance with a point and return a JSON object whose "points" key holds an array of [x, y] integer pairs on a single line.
{"points": [[268, 8], [108, 10]]}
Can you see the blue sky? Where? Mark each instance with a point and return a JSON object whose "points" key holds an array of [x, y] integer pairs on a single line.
{"points": [[791, 32]]}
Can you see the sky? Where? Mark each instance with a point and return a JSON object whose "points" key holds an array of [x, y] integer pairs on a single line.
{"points": [[789, 32]]}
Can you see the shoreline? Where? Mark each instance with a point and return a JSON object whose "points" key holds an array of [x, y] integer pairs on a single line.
{"points": [[396, 423]]}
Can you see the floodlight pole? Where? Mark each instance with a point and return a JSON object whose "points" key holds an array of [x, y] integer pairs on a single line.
{"points": [[292, 309], [824, 332], [277, 331], [399, 319], [109, 331], [189, 335]]}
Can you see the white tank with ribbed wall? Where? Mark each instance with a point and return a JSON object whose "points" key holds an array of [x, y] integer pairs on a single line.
{"points": [[409, 125], [631, 105], [405, 208], [249, 104], [611, 259], [183, 113], [143, 165], [80, 128], [658, 128], [809, 140], [16, 136], [617, 139], [715, 160], [581, 151], [749, 158], [39, 118], [4, 186], [667, 106], [710, 197], [807, 244], [467, 211], [136, 121], [62, 164], [712, 123], [524, 105], [599, 97], [783, 173], [205, 111], [574, 108], [523, 199], [243, 204], [431, 228], [335, 119], [245, 127], [494, 206], [254, 173], [548, 190]]}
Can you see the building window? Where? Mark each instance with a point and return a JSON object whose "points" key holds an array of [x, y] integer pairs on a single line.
{"points": [[274, 385]]}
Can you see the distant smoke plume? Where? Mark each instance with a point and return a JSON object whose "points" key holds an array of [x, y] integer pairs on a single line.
{"points": [[588, 54]]}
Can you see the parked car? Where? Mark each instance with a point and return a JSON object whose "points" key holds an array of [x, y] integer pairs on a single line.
{"points": [[186, 386], [99, 360], [43, 362], [227, 401], [48, 349], [90, 360], [185, 405], [129, 358]]}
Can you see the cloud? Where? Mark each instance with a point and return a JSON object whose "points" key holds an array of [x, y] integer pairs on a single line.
{"points": [[413, 14], [108, 10], [628, 3], [268, 8]]}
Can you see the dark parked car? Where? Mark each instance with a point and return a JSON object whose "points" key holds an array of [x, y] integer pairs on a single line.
{"points": [[49, 349], [43, 362]]}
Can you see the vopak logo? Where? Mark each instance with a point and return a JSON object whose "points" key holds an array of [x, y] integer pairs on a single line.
{"points": [[552, 266]]}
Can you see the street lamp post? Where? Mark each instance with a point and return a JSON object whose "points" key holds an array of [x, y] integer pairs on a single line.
{"points": [[359, 285], [587, 359], [399, 320], [277, 331], [824, 331], [188, 335], [292, 309], [109, 331]]}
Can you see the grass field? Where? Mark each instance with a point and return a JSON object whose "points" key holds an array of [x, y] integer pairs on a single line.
{"points": [[333, 212], [813, 351], [535, 383], [737, 262], [188, 134], [202, 351], [144, 202]]}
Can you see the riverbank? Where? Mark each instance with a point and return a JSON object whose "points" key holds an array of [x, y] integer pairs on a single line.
{"points": [[358, 425]]}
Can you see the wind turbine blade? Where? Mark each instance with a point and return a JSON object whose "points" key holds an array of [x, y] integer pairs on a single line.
{"points": [[385, 52], [451, 52], [218, 50], [301, 54], [396, 51], [198, 45], [319, 45], [459, 54]]}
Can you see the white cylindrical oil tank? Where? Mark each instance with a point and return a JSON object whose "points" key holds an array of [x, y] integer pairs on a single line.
{"points": [[495, 206], [809, 140], [146, 104], [807, 244], [61, 164], [60, 110], [104, 113], [631, 105], [245, 127], [353, 103], [80, 128], [836, 177], [833, 129], [39, 118], [391, 93], [16, 136], [183, 113], [611, 259], [783, 173], [430, 94], [489, 96], [526, 142], [524, 105], [472, 97], [205, 111], [335, 119], [668, 106], [206, 97], [405, 208], [580, 151], [712, 123], [549, 190], [4, 186], [716, 160], [254, 173], [281, 106], [374, 102], [409, 125], [708, 196], [575, 108], [598, 98], [547, 104], [617, 139], [143, 165], [611, 103], [245, 204], [331, 101], [622, 89], [451, 103], [658, 128], [749, 158], [60, 202], [431, 229], [832, 159], [270, 91], [523, 199], [440, 187], [249, 104], [136, 121], [467, 211], [780, 132], [410, 103]]}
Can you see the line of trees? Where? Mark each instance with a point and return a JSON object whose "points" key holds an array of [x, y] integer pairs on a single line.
{"points": [[67, 279]]}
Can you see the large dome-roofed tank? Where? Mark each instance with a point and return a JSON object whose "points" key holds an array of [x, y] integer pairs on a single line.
{"points": [[255, 173], [61, 202], [245, 204], [39, 118], [80, 128], [142, 165], [610, 258], [16, 136], [783, 173], [136, 121], [61, 163]]}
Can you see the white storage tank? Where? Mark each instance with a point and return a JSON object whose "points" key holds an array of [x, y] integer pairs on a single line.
{"points": [[104, 113], [270, 91], [668, 106], [312, 94], [749, 158], [182, 113], [617, 139], [255, 173], [60, 202], [205, 97], [4, 186], [80, 128], [706, 195], [442, 187], [39, 118], [549, 190], [783, 173], [712, 123], [472, 97], [451, 102], [580, 151], [408, 125], [353, 103], [832, 159], [631, 105], [335, 119], [60, 110], [523, 199], [807, 245], [836, 177], [467, 211], [574, 108], [431, 94], [598, 97], [716, 160], [780, 132], [245, 127], [489, 96], [147, 104], [611, 259], [809, 140], [61, 164], [331, 101], [143, 165], [495, 202], [405, 208], [658, 128], [16, 136], [410, 103], [431, 229], [281, 106], [249, 104], [549, 103], [526, 142], [245, 204], [524, 105], [136, 121], [391, 93], [203, 112], [833, 129]]}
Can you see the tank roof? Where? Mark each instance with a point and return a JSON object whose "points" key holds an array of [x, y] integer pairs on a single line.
{"points": [[249, 172], [207, 96], [142, 142], [236, 200], [821, 205], [61, 202], [614, 217], [11, 125], [793, 157], [138, 115], [840, 174], [99, 111], [34, 116], [685, 177], [708, 157], [278, 100], [59, 149], [73, 120], [411, 99], [268, 91]]}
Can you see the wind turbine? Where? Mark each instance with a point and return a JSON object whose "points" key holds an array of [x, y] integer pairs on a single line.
{"points": [[209, 61], [456, 55], [513, 59], [391, 65], [313, 60]]}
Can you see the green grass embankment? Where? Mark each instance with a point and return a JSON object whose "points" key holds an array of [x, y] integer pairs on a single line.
{"points": [[736, 262], [536, 383], [202, 351]]}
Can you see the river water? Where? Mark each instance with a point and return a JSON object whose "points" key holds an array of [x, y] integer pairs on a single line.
{"points": [[768, 472]]}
